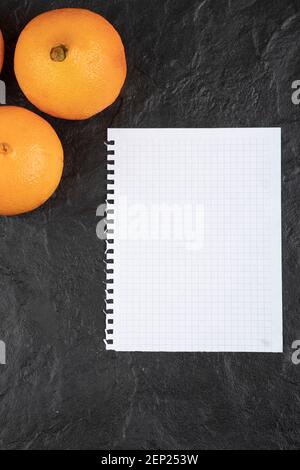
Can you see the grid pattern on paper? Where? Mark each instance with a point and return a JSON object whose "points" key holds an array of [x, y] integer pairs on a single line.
{"points": [[212, 281]]}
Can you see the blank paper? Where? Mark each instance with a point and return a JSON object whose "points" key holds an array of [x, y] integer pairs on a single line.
{"points": [[195, 240]]}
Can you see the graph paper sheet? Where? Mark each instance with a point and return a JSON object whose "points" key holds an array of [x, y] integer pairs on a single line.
{"points": [[195, 240]]}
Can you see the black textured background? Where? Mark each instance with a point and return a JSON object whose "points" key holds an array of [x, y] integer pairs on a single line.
{"points": [[210, 63]]}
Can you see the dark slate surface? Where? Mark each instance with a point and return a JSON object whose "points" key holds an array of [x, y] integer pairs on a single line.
{"points": [[191, 64]]}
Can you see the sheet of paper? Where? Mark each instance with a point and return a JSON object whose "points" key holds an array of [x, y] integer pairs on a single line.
{"points": [[197, 240]]}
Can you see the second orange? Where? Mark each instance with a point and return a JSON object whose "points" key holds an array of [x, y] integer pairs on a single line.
{"points": [[70, 63]]}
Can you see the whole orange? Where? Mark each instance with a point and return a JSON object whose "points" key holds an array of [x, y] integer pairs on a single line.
{"points": [[31, 160], [70, 63], [1, 50]]}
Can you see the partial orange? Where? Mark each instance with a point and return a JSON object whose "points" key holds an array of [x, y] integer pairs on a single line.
{"points": [[1, 50], [31, 160], [70, 63]]}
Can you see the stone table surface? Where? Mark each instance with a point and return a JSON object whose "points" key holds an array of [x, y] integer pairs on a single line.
{"points": [[210, 63]]}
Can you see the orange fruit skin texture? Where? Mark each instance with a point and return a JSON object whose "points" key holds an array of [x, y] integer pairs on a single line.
{"points": [[31, 163], [1, 50], [92, 74]]}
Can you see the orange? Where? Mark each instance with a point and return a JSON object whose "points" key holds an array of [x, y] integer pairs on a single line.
{"points": [[70, 63], [1, 50], [31, 160]]}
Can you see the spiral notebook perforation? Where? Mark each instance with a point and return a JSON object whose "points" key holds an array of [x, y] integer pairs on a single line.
{"points": [[109, 253]]}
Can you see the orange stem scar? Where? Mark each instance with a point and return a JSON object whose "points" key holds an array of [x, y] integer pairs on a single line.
{"points": [[59, 53], [5, 148]]}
